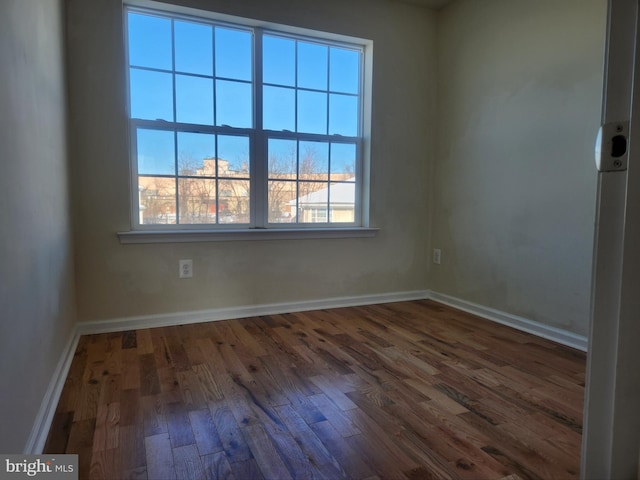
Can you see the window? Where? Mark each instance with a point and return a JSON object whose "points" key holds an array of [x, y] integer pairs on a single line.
{"points": [[234, 126]]}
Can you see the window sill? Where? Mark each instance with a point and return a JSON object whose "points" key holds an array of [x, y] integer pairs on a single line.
{"points": [[182, 236]]}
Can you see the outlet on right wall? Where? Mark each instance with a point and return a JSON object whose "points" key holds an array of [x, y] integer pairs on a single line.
{"points": [[514, 181]]}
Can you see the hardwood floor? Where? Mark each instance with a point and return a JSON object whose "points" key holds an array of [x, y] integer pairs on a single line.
{"points": [[406, 390]]}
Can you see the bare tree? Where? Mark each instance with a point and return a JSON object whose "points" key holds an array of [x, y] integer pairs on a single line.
{"points": [[282, 185], [157, 200], [292, 176], [196, 196]]}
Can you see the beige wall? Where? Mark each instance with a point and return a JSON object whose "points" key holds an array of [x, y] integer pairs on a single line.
{"points": [[519, 98], [512, 190], [125, 280], [36, 286]]}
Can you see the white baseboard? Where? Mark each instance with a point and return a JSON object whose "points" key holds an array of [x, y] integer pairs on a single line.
{"points": [[183, 318], [557, 335], [38, 437]]}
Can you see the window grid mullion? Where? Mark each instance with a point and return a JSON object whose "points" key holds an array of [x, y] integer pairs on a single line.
{"points": [[215, 97], [328, 114], [297, 181], [259, 161], [175, 118], [217, 177], [215, 119], [357, 211], [297, 129], [329, 182], [328, 86], [215, 83], [295, 83]]}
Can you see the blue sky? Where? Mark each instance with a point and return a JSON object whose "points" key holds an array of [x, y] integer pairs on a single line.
{"points": [[327, 82]]}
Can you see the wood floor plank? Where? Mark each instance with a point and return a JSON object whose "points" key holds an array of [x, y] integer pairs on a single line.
{"points": [[554, 457], [131, 447], [129, 339], [386, 440], [104, 464], [81, 443], [233, 441], [149, 381], [206, 435], [59, 432], [159, 457], [130, 369], [432, 464], [248, 340], [144, 341], [265, 453], [112, 426], [351, 462], [246, 469], [100, 431], [188, 463], [330, 390], [210, 388], [111, 387], [383, 465], [311, 446], [193, 395], [179, 426], [130, 411], [217, 467], [70, 397], [153, 415], [336, 417], [408, 390]]}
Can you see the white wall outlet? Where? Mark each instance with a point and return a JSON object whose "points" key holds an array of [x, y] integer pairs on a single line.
{"points": [[186, 268], [437, 256]]}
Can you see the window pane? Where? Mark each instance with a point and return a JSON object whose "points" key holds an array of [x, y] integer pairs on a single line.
{"points": [[233, 156], [156, 153], [197, 198], [278, 57], [189, 76], [344, 70], [314, 161], [149, 41], [194, 99], [194, 48], [233, 53], [282, 158], [343, 115], [279, 108], [196, 154], [312, 112], [343, 161], [312, 202], [233, 104], [233, 202], [312, 66], [282, 202], [343, 201], [157, 200], [151, 95]]}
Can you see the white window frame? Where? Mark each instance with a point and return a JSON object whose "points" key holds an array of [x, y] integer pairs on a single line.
{"points": [[258, 228]]}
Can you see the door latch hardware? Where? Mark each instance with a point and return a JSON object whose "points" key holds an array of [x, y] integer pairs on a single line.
{"points": [[612, 147]]}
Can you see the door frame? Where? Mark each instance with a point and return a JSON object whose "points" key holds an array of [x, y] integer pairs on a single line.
{"points": [[611, 435]]}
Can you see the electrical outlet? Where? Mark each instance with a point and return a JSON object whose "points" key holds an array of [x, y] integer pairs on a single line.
{"points": [[437, 256], [186, 268]]}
